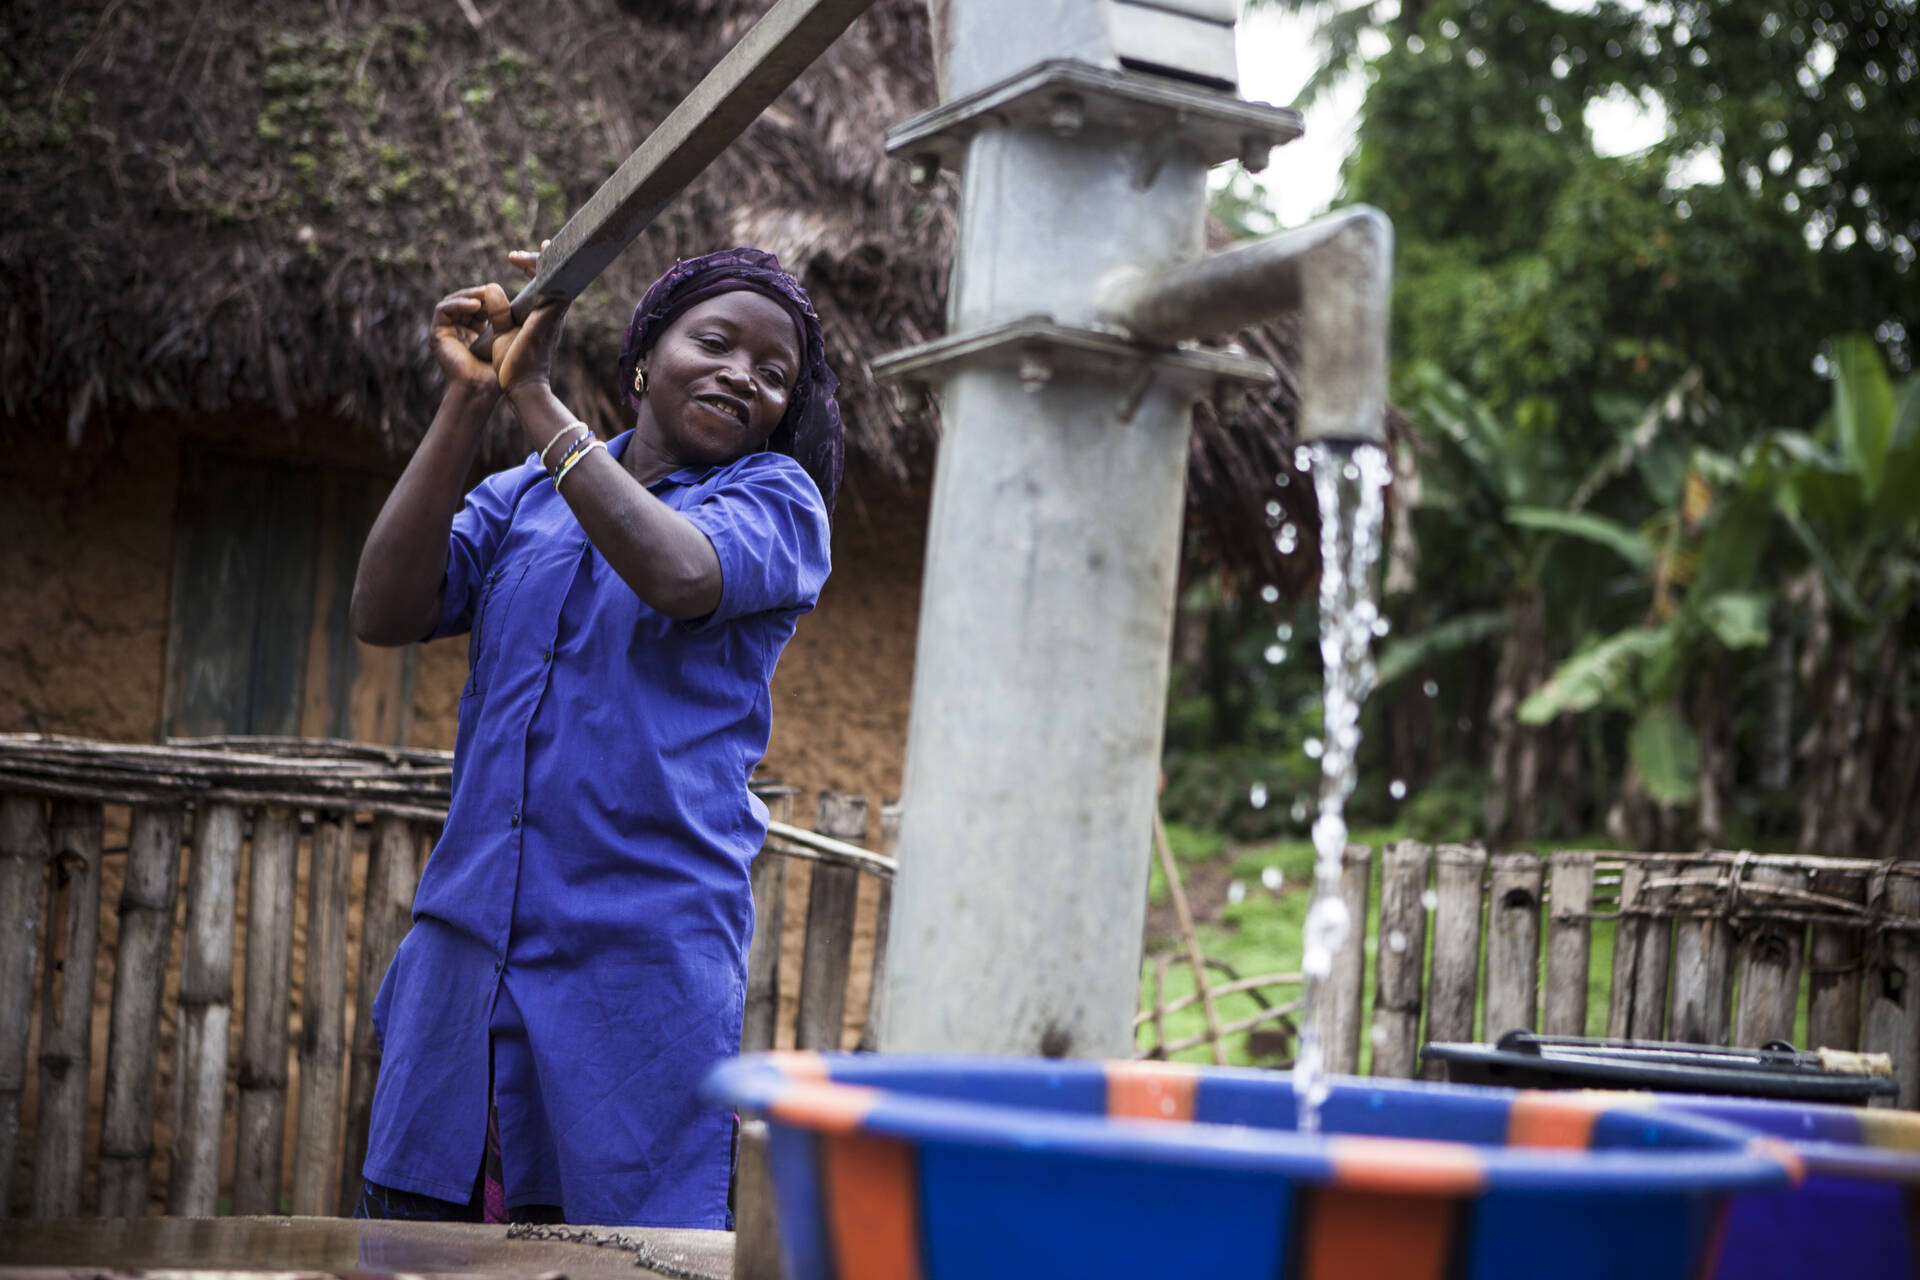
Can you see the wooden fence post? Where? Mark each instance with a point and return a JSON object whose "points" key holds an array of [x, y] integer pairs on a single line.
{"points": [[1893, 984], [1628, 930], [1702, 969], [762, 1016], [882, 926], [206, 1012], [393, 872], [1653, 972], [1513, 944], [1453, 984], [1769, 968], [323, 1016], [139, 978], [23, 885], [1569, 943], [1399, 959], [267, 985], [66, 1008], [1342, 997], [1835, 959], [830, 909]]}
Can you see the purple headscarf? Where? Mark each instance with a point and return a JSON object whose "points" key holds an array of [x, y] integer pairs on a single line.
{"points": [[810, 431]]}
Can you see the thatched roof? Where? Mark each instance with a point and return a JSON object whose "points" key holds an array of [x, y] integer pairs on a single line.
{"points": [[212, 204]]}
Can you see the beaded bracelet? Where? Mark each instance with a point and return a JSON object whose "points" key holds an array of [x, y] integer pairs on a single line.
{"points": [[557, 436], [578, 446], [572, 460]]}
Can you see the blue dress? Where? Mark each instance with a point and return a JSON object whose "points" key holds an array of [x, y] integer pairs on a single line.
{"points": [[587, 909]]}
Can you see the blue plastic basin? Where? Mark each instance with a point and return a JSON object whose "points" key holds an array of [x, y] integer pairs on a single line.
{"points": [[1854, 1215], [934, 1169]]}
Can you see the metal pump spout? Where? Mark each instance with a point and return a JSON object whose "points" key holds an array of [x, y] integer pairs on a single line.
{"points": [[1337, 272]]}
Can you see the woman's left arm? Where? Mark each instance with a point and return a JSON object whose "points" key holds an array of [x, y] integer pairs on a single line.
{"points": [[663, 556]]}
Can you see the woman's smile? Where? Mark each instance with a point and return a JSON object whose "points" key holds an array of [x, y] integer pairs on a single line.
{"points": [[731, 407]]}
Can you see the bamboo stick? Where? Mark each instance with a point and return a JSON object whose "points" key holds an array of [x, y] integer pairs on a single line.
{"points": [[1835, 960], [1161, 964], [323, 1018], [1234, 1028], [23, 884], [1237, 986], [206, 1012], [762, 1015], [1342, 1011], [1569, 943], [1893, 986], [267, 996], [1453, 985], [828, 957], [1770, 959], [882, 928], [1702, 979], [1399, 959], [1513, 943], [393, 859], [1177, 893], [66, 1009], [139, 977]]}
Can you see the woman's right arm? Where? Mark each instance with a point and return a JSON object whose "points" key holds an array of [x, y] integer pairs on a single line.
{"points": [[396, 593]]}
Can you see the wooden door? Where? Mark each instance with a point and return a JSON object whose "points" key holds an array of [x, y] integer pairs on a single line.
{"points": [[258, 640]]}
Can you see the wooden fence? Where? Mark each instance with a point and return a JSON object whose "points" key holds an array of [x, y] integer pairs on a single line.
{"points": [[253, 847], [1710, 948]]}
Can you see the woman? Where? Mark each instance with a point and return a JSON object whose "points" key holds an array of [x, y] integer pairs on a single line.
{"points": [[578, 953]]}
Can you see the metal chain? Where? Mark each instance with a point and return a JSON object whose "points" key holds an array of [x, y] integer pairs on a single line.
{"points": [[644, 1254]]}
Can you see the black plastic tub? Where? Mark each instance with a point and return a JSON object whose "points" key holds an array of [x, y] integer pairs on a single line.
{"points": [[1522, 1060]]}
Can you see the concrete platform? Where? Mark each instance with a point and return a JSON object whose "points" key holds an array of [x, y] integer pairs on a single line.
{"points": [[314, 1248]]}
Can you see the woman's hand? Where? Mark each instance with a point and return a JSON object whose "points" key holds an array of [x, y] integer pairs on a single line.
{"points": [[523, 354], [457, 321]]}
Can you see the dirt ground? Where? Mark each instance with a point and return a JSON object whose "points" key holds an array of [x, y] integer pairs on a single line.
{"points": [[83, 618]]}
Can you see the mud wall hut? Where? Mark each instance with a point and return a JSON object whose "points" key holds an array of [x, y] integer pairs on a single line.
{"points": [[225, 226]]}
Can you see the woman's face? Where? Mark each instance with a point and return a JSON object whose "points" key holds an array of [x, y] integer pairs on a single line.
{"points": [[719, 378]]}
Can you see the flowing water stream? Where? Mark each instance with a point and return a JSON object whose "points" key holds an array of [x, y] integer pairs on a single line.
{"points": [[1349, 482]]}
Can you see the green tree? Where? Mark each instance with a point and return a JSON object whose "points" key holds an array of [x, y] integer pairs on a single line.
{"points": [[1815, 535]]}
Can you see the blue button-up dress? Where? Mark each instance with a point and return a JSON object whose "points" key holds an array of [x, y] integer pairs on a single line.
{"points": [[587, 910]]}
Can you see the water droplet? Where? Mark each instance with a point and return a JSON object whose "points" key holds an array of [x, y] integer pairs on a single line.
{"points": [[1381, 626], [1257, 795], [1396, 941], [1378, 1034], [1271, 878], [1273, 510], [1236, 893], [1302, 458], [1283, 479], [1464, 723], [1284, 631], [1314, 748], [1299, 811], [1397, 789], [1349, 472], [1429, 899], [1269, 593], [1431, 689]]}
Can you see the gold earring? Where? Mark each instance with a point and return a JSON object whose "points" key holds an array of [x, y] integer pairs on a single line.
{"points": [[639, 381]]}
